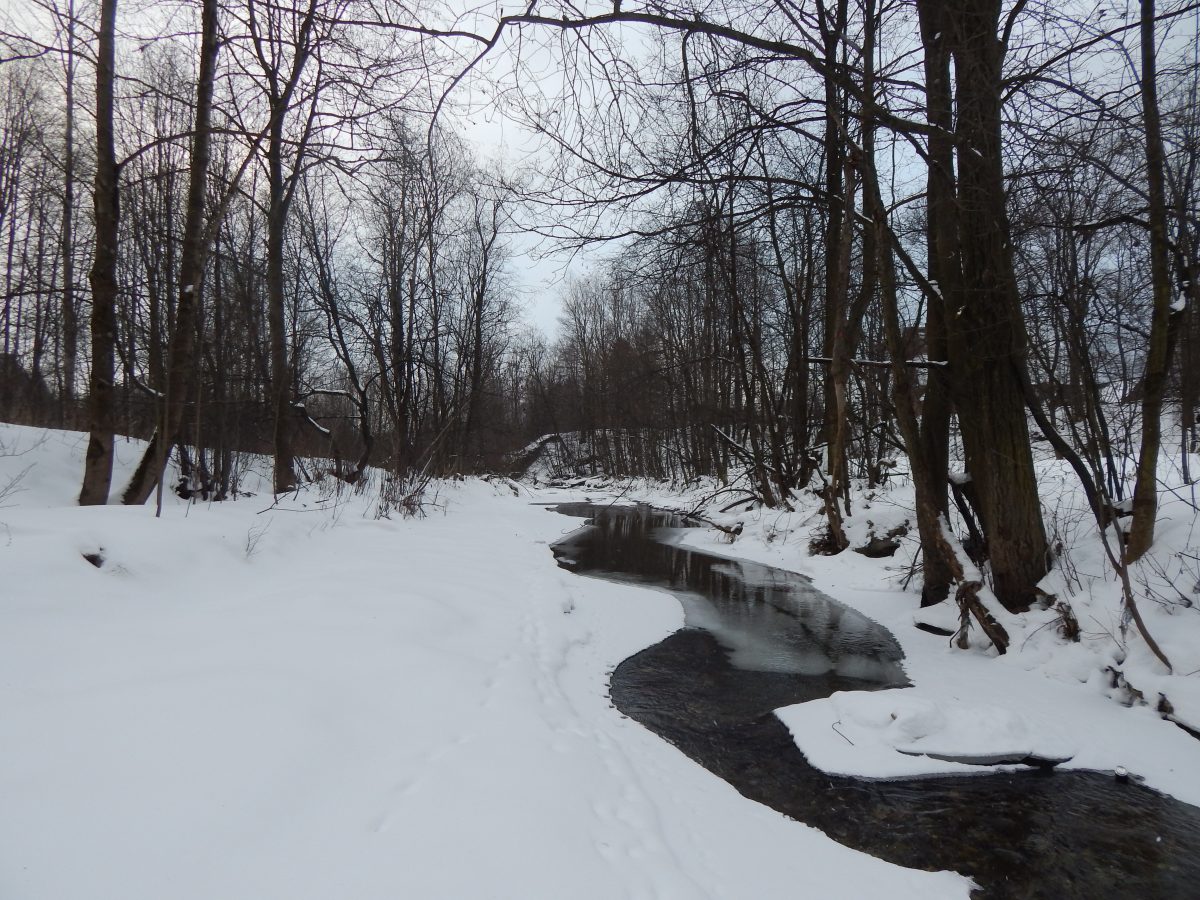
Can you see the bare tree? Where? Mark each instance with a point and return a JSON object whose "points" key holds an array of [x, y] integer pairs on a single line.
{"points": [[70, 327], [97, 474], [1164, 316], [181, 356]]}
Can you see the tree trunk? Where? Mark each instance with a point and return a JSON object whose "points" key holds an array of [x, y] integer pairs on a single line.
{"points": [[837, 280], [927, 479], [70, 319], [97, 472], [1162, 320], [985, 329], [281, 375], [946, 275], [181, 356]]}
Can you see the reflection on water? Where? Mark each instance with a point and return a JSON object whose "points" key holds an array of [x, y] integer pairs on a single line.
{"points": [[758, 638], [768, 620]]}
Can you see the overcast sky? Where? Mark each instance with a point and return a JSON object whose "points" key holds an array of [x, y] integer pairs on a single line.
{"points": [[539, 271]]}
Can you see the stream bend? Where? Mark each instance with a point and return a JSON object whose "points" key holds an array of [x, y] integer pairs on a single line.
{"points": [[758, 638]]}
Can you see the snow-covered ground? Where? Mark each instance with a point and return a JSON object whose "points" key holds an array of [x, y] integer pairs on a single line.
{"points": [[304, 701]]}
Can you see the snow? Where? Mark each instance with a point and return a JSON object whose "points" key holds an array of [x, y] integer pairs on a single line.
{"points": [[966, 705], [890, 734], [298, 700]]}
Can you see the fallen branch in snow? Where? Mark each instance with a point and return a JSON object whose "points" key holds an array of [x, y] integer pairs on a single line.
{"points": [[709, 498], [730, 532], [967, 597]]}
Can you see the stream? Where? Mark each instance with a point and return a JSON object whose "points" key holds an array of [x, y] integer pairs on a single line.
{"points": [[758, 638]]}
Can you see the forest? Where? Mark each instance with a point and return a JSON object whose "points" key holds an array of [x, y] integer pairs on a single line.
{"points": [[838, 242]]}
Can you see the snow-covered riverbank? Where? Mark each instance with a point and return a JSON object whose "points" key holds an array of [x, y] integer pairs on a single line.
{"points": [[307, 702]]}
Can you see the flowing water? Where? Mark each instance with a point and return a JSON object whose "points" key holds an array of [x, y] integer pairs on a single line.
{"points": [[757, 638]]}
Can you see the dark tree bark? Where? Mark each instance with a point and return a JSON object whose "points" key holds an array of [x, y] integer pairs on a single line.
{"points": [[70, 318], [281, 371], [487, 229], [97, 472], [1162, 320], [839, 196], [281, 83], [181, 355], [985, 330], [928, 478], [944, 273]]}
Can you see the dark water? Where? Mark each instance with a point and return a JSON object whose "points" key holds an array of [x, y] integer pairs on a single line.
{"points": [[758, 638]]}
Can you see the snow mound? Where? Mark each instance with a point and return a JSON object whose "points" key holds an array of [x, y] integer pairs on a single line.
{"points": [[894, 734]]}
